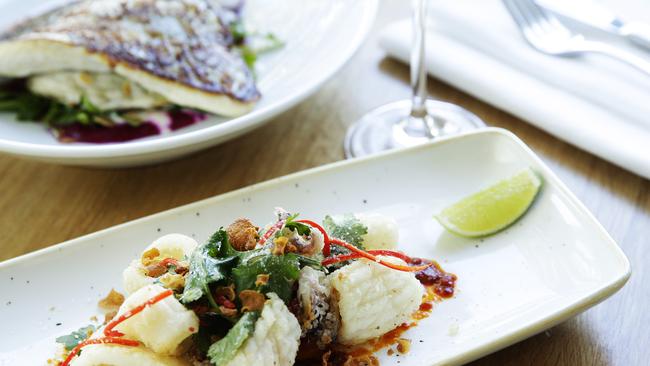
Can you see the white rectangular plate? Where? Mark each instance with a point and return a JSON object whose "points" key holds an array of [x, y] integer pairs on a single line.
{"points": [[552, 264]]}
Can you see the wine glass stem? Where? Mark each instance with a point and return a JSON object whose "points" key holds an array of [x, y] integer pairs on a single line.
{"points": [[418, 68]]}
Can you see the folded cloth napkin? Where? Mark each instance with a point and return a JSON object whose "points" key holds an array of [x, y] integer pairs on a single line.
{"points": [[596, 103]]}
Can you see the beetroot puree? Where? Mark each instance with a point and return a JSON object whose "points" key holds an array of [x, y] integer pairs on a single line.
{"points": [[78, 132]]}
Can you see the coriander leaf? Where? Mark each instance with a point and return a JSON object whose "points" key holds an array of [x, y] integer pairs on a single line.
{"points": [[209, 263], [301, 228], [222, 351], [283, 271], [346, 227], [73, 339], [201, 340], [311, 262]]}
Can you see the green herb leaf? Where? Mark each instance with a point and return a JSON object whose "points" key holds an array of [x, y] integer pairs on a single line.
{"points": [[73, 339], [252, 44], [209, 263], [346, 227], [238, 31], [301, 228], [222, 351], [249, 56], [283, 271], [16, 98]]}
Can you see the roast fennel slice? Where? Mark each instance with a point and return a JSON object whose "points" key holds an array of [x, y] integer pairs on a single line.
{"points": [[178, 49]]}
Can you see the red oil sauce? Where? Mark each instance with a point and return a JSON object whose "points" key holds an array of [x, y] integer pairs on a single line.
{"points": [[441, 282], [78, 132], [362, 354], [387, 339]]}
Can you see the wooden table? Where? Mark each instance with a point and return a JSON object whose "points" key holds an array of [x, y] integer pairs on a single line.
{"points": [[45, 204]]}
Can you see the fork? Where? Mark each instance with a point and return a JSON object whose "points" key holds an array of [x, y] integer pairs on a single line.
{"points": [[547, 34]]}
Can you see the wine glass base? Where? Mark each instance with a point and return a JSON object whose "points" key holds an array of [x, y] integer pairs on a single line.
{"points": [[381, 129]]}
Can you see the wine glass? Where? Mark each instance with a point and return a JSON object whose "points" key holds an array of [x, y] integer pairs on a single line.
{"points": [[409, 122]]}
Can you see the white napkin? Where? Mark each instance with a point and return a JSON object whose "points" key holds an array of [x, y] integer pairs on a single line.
{"points": [[595, 103]]}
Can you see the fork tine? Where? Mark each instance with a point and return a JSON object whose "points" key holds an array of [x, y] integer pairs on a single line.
{"points": [[511, 6], [519, 18], [524, 20], [534, 18], [547, 22]]}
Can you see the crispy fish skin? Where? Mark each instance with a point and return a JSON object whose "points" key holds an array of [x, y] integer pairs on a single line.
{"points": [[179, 49]]}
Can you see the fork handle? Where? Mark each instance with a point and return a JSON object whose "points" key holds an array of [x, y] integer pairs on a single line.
{"points": [[639, 63]]}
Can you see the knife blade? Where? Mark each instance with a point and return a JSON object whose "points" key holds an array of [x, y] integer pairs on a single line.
{"points": [[597, 16]]}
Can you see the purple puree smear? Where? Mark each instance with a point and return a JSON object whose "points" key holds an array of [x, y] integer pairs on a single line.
{"points": [[125, 132], [183, 118]]}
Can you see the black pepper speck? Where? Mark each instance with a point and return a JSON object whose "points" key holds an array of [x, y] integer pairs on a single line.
{"points": [[58, 324], [8, 303], [158, 229]]}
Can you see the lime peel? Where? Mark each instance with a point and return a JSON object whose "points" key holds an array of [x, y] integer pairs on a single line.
{"points": [[492, 209]]}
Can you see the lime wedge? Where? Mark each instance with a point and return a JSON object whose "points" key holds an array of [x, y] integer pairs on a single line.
{"points": [[492, 209]]}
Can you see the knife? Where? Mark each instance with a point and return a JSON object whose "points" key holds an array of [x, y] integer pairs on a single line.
{"points": [[595, 15]]}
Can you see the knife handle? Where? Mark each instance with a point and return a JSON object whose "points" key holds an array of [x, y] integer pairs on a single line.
{"points": [[638, 33]]}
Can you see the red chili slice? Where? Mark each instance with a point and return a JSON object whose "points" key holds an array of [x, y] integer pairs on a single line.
{"points": [[271, 231], [169, 261], [391, 253], [109, 332], [326, 238], [105, 340], [363, 254]]}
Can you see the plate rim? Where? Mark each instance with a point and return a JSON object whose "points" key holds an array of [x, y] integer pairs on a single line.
{"points": [[244, 123], [509, 337]]}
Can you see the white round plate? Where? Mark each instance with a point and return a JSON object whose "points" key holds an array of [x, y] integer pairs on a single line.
{"points": [[320, 36]]}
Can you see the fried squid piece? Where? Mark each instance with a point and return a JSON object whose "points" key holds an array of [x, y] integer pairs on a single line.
{"points": [[175, 246], [275, 340], [116, 355], [161, 327], [373, 299]]}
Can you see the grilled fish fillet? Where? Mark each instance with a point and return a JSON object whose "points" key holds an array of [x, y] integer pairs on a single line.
{"points": [[177, 49], [105, 91]]}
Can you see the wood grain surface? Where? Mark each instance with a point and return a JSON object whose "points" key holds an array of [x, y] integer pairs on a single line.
{"points": [[45, 204]]}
